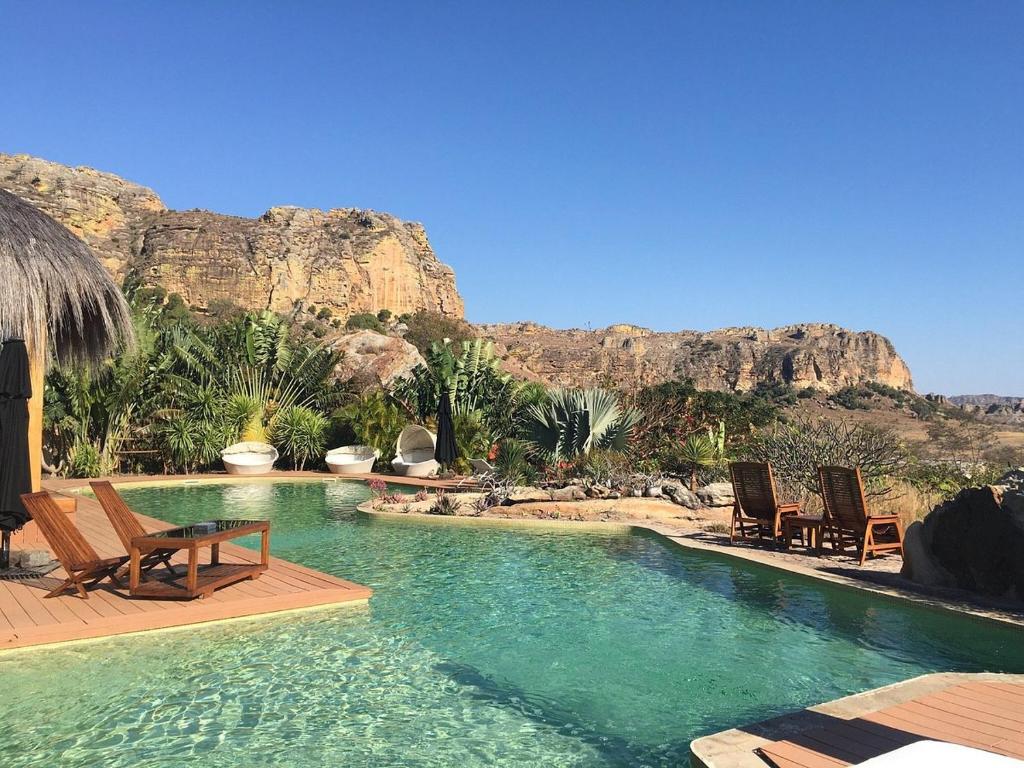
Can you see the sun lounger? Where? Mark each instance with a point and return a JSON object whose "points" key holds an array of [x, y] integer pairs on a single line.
{"points": [[76, 555], [126, 525], [847, 519], [757, 513]]}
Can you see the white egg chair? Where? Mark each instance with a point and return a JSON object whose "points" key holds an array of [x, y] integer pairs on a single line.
{"points": [[352, 460], [249, 458], [415, 455]]}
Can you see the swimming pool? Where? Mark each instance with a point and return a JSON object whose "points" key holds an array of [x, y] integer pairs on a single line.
{"points": [[483, 645]]}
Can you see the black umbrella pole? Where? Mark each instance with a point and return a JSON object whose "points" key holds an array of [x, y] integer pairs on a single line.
{"points": [[5, 551]]}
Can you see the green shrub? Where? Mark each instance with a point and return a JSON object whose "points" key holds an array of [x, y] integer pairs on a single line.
{"points": [[364, 321], [300, 434], [427, 327], [84, 460], [325, 313], [672, 411], [797, 450], [512, 462], [575, 421], [850, 398], [472, 437], [375, 420], [384, 315]]}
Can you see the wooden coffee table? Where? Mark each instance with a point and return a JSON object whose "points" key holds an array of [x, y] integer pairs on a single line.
{"points": [[199, 580]]}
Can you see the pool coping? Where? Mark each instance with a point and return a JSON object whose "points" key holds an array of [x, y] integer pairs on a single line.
{"points": [[758, 557]]}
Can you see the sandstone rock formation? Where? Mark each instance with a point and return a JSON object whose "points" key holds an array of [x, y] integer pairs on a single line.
{"points": [[347, 259], [108, 213], [370, 358], [823, 356], [975, 541], [351, 260]]}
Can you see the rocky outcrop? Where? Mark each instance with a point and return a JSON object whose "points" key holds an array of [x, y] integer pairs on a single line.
{"points": [[822, 356], [975, 541], [347, 259], [110, 214], [370, 359]]}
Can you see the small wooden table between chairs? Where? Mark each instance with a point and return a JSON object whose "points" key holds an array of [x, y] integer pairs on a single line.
{"points": [[810, 528]]}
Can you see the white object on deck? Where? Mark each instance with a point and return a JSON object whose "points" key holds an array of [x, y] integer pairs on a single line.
{"points": [[249, 458], [352, 460], [415, 454], [938, 754]]}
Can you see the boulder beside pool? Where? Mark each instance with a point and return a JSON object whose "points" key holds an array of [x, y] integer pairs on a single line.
{"points": [[974, 541]]}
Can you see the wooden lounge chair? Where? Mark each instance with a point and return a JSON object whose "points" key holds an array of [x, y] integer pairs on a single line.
{"points": [[80, 561], [127, 526], [757, 513], [848, 521]]}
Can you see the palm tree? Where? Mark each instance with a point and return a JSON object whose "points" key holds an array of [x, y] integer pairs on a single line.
{"points": [[575, 421], [699, 451]]}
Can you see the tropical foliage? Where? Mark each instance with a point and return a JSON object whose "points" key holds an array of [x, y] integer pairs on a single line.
{"points": [[576, 421], [374, 419], [187, 390], [702, 451]]}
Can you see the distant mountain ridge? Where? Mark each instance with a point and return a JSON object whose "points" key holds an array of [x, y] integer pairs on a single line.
{"points": [[985, 400], [823, 356]]}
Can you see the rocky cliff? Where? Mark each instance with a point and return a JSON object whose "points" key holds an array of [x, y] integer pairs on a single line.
{"points": [[823, 356], [354, 260], [347, 259]]}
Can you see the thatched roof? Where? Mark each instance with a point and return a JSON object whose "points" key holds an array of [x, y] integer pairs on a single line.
{"points": [[53, 287]]}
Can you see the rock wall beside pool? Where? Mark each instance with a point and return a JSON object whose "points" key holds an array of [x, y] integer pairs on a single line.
{"points": [[974, 541]]}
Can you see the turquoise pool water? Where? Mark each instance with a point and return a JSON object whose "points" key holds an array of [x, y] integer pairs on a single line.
{"points": [[482, 646]]}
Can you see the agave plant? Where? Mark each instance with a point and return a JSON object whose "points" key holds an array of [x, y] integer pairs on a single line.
{"points": [[575, 421]]}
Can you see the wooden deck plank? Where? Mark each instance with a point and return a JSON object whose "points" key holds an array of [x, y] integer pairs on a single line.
{"points": [[954, 706], [918, 711], [785, 754], [27, 617]]}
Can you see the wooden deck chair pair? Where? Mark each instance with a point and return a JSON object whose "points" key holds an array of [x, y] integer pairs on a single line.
{"points": [[847, 517], [84, 567], [757, 513], [846, 521]]}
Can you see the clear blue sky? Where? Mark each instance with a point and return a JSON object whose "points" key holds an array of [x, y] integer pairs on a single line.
{"points": [[670, 164]]}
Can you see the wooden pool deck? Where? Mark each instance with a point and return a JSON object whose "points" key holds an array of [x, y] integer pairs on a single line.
{"points": [[983, 711], [27, 618]]}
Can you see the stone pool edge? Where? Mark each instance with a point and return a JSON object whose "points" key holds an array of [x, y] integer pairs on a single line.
{"points": [[750, 555]]}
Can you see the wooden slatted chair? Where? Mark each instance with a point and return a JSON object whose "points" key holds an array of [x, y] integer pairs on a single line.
{"points": [[848, 520], [76, 555], [127, 526], [757, 513]]}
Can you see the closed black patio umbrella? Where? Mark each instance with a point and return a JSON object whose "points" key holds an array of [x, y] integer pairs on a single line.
{"points": [[15, 473], [446, 451]]}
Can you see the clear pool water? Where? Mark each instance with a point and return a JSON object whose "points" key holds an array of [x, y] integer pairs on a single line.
{"points": [[483, 646]]}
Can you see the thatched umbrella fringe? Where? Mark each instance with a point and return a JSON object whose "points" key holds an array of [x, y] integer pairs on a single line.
{"points": [[54, 290]]}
